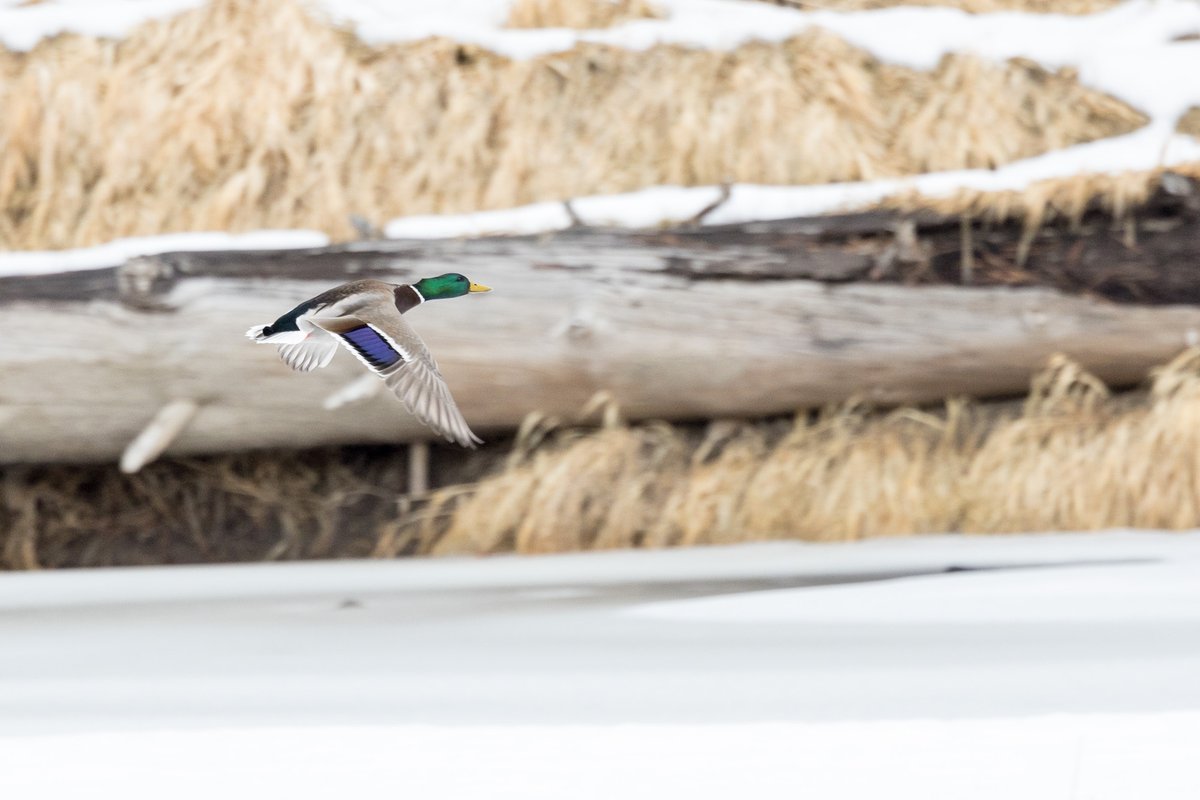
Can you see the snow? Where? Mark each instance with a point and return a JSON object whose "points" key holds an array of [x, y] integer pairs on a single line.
{"points": [[22, 27], [535, 218], [642, 209], [1055, 666], [1096, 757], [1053, 40], [114, 253], [1066, 595], [646, 208]]}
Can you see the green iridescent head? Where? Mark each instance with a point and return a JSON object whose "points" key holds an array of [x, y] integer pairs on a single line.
{"points": [[449, 285]]}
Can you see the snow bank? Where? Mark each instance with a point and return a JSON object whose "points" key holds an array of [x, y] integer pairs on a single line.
{"points": [[114, 253], [647, 208], [22, 27], [535, 218]]}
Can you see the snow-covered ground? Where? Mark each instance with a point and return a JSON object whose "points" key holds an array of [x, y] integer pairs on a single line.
{"points": [[118, 251], [1052, 666]]}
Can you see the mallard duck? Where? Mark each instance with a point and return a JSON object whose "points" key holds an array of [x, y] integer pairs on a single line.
{"points": [[365, 318]]}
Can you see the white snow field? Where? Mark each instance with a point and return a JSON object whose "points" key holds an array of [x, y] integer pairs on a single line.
{"points": [[1033, 666]]}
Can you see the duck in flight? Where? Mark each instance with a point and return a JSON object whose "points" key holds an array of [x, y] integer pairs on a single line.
{"points": [[365, 317]]}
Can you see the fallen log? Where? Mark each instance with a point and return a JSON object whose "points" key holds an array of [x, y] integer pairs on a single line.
{"points": [[747, 320]]}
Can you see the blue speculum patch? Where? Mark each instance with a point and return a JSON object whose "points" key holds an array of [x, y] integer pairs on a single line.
{"points": [[372, 347]]}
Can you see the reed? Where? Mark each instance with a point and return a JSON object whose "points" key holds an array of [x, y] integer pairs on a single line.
{"points": [[1060, 199], [1071, 457], [1189, 123]]}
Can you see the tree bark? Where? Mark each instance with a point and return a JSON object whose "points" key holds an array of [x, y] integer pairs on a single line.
{"points": [[745, 320]]}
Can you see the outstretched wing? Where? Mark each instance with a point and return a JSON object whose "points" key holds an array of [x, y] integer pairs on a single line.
{"points": [[386, 345], [304, 349], [313, 352]]}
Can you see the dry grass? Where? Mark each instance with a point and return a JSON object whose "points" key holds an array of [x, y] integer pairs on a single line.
{"points": [[1116, 194], [245, 115], [1071, 459], [250, 507], [578, 13], [970, 6], [1189, 123]]}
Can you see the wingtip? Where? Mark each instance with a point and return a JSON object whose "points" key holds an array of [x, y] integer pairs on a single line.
{"points": [[470, 441]]}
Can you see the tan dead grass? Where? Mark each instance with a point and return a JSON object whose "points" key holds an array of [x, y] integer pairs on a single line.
{"points": [[246, 115], [1071, 459], [970, 6], [1189, 123], [578, 13]]}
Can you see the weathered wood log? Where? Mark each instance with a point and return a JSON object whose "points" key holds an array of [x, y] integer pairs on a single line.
{"points": [[757, 319]]}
